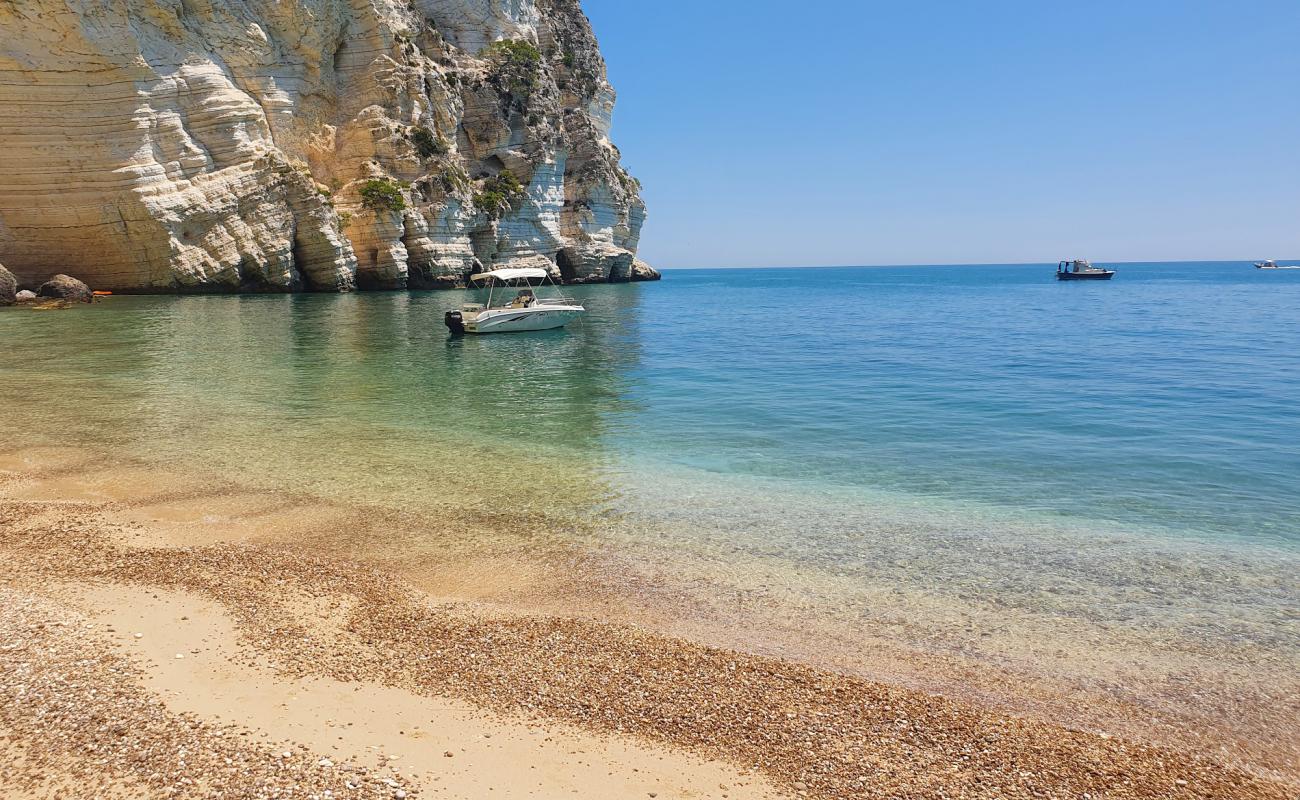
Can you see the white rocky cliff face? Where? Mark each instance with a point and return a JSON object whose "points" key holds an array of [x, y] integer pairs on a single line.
{"points": [[281, 145]]}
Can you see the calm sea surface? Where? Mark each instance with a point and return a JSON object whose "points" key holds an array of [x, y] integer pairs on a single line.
{"points": [[976, 461]]}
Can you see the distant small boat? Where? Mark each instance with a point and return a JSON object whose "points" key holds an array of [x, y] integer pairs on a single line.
{"points": [[1271, 264], [1081, 270]]}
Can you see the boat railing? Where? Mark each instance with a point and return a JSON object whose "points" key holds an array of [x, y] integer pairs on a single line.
{"points": [[558, 300]]}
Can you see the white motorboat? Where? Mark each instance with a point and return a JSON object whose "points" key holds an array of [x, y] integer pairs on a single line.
{"points": [[1266, 264], [523, 311]]}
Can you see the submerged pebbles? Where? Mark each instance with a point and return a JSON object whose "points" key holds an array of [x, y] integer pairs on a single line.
{"points": [[814, 733]]}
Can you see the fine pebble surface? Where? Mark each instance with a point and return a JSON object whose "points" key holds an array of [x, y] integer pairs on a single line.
{"points": [[74, 725], [813, 732]]}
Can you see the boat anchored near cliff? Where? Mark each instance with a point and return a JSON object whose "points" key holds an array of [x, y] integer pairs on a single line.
{"points": [[1082, 270], [525, 311]]}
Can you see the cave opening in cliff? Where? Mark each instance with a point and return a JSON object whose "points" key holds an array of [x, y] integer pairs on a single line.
{"points": [[301, 276], [338, 55], [568, 270]]}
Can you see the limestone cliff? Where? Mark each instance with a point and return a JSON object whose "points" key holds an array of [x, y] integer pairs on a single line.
{"points": [[279, 145]]}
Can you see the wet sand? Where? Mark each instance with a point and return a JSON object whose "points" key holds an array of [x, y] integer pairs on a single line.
{"points": [[299, 649]]}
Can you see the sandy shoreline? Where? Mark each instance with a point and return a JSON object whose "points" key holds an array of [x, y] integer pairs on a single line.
{"points": [[528, 706]]}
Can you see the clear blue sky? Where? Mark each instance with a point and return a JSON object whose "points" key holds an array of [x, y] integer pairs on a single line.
{"points": [[838, 132]]}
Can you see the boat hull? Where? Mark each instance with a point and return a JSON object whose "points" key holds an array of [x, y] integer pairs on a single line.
{"points": [[1085, 276], [521, 320]]}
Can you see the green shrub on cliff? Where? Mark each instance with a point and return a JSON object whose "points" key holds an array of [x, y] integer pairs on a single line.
{"points": [[455, 179], [630, 184], [499, 194], [515, 66], [382, 194], [428, 144], [514, 52]]}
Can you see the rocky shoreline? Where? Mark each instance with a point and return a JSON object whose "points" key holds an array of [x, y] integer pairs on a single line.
{"points": [[62, 291]]}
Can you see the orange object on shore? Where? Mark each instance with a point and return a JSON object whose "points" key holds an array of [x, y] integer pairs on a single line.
{"points": [[101, 294]]}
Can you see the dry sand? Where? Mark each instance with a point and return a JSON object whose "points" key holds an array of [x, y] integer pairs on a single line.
{"points": [[264, 671], [381, 726]]}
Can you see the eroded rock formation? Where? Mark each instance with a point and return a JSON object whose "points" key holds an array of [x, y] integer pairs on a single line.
{"points": [[280, 145], [8, 287]]}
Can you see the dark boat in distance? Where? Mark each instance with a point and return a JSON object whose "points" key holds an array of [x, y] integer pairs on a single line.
{"points": [[1081, 270]]}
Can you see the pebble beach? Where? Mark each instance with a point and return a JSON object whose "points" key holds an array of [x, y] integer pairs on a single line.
{"points": [[834, 483], [87, 712]]}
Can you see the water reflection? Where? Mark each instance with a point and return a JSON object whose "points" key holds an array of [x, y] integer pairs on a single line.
{"points": [[360, 396]]}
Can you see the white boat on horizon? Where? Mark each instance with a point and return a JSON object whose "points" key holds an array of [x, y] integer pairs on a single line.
{"points": [[1269, 263], [525, 311]]}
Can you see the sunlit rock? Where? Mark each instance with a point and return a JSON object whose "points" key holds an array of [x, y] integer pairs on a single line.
{"points": [[194, 146]]}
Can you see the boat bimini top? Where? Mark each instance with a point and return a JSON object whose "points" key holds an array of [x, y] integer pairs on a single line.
{"points": [[518, 273]]}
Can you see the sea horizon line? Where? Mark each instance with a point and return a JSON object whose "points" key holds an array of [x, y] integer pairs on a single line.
{"points": [[968, 264]]}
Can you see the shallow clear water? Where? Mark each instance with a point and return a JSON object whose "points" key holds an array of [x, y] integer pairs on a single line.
{"points": [[1168, 398], [1100, 479]]}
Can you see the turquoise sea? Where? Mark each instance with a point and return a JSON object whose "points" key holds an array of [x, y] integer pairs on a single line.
{"points": [[1091, 486], [1166, 399]]}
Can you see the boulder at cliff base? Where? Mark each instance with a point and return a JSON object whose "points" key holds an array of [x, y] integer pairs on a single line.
{"points": [[8, 287], [642, 271], [65, 287]]}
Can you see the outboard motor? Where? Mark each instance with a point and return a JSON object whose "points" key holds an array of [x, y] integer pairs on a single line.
{"points": [[455, 322]]}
